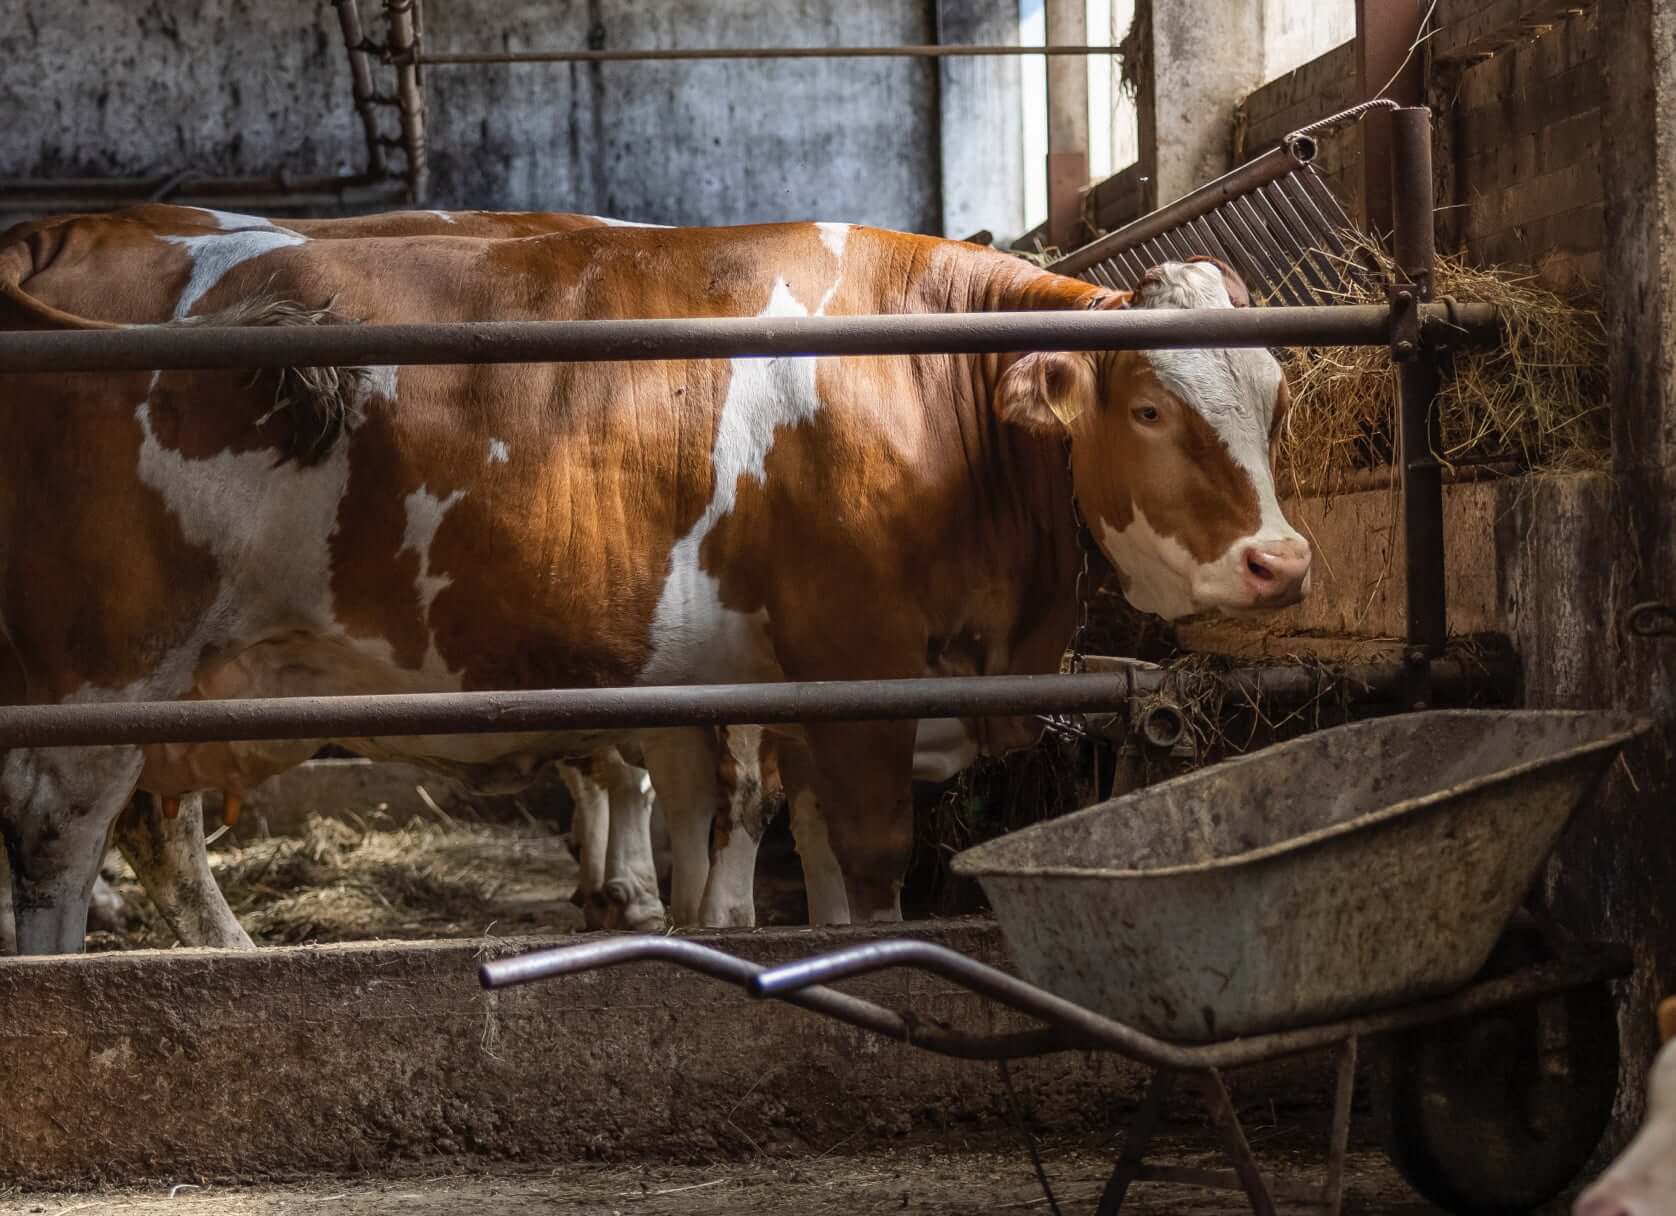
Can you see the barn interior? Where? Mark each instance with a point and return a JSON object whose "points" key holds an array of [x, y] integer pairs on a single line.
{"points": [[1488, 513]]}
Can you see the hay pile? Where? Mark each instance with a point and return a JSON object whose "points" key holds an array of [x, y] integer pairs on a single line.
{"points": [[1537, 401], [341, 883]]}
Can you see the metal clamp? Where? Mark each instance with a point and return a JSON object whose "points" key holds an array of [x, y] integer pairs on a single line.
{"points": [[1405, 298], [1651, 619]]}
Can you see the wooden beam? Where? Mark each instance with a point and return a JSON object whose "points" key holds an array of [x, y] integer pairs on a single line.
{"points": [[1067, 104], [1386, 32]]}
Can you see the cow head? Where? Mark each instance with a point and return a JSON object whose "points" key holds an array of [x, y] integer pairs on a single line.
{"points": [[1170, 456]]}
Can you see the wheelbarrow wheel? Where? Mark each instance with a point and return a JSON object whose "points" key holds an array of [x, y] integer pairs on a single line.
{"points": [[1499, 1112]]}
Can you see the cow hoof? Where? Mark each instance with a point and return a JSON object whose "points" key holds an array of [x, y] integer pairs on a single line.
{"points": [[106, 910]]}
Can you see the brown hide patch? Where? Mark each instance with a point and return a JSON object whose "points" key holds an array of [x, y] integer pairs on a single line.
{"points": [[105, 267], [100, 582], [1178, 470]]}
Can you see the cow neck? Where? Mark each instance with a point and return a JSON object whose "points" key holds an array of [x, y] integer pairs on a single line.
{"points": [[1062, 564]]}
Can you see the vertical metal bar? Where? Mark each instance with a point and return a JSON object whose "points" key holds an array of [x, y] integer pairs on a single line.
{"points": [[1417, 378], [1286, 280], [1344, 1088], [1332, 283], [1136, 1138], [404, 49], [360, 83], [1226, 1123]]}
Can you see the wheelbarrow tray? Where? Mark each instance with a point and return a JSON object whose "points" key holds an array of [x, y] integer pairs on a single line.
{"points": [[1358, 867]]}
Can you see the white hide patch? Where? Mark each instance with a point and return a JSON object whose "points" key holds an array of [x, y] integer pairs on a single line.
{"points": [[833, 237], [232, 221], [424, 516], [214, 256], [694, 637], [942, 748], [1158, 571], [499, 453], [268, 528], [611, 223], [445, 216]]}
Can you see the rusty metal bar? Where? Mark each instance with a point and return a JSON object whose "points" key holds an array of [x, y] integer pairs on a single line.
{"points": [[404, 50], [398, 714], [149, 347], [1414, 253], [275, 192], [463, 58], [360, 80]]}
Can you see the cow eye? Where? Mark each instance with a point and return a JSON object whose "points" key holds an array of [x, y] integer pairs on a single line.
{"points": [[1146, 413]]}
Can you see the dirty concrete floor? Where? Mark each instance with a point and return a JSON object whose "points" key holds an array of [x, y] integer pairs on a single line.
{"points": [[912, 1180]]}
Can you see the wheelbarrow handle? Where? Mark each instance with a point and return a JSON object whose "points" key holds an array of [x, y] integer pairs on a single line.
{"points": [[840, 1006], [1076, 1024], [614, 952]]}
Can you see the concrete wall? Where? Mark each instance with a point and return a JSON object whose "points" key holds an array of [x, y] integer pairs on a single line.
{"points": [[101, 87]]}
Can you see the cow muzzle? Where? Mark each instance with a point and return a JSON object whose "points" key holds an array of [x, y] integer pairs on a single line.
{"points": [[1275, 574]]}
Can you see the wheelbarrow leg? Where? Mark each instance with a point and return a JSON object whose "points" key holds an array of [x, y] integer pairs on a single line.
{"points": [[1135, 1141], [1227, 1125], [1332, 1195]]}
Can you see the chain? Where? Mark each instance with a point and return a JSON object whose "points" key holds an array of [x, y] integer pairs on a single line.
{"points": [[1073, 662]]}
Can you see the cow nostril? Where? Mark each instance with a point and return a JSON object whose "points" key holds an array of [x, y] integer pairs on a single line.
{"points": [[1258, 569]]}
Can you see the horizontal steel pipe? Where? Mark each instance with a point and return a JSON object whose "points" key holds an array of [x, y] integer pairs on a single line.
{"points": [[570, 709], [463, 58], [149, 347], [587, 709]]}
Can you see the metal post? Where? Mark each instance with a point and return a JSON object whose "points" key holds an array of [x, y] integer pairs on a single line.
{"points": [[404, 52], [1417, 379], [360, 82]]}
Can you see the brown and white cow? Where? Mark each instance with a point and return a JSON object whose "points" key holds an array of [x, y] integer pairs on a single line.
{"points": [[155, 262], [607, 524]]}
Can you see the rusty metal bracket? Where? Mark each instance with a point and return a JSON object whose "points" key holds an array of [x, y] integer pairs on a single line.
{"points": [[1405, 298], [1651, 619]]}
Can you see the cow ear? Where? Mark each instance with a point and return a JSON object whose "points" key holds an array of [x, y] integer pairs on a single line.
{"points": [[1238, 292], [1046, 391], [1282, 404], [1116, 299]]}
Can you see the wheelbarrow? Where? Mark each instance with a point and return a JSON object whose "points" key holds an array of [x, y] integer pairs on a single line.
{"points": [[1358, 883]]}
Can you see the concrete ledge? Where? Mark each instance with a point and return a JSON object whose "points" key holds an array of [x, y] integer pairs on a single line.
{"points": [[280, 1063]]}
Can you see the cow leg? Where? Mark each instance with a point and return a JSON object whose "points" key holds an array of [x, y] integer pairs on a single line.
{"points": [[590, 827], [171, 860], [862, 774], [106, 910], [730, 890], [823, 881], [56, 807], [631, 878], [685, 774]]}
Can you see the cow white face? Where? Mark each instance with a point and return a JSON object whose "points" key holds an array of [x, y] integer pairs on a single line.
{"points": [[1170, 457]]}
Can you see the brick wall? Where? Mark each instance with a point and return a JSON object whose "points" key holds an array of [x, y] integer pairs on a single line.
{"points": [[1321, 87], [1520, 135]]}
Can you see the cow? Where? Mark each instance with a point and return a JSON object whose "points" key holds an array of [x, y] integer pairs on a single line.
{"points": [[677, 521], [1642, 1181], [158, 261]]}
